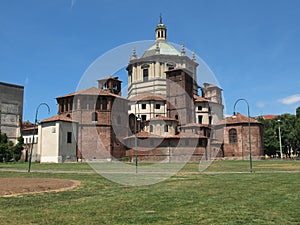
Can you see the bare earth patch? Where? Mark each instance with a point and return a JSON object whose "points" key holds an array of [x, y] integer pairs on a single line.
{"points": [[18, 186]]}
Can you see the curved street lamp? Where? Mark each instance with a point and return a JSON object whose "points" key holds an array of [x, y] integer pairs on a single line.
{"points": [[35, 123], [249, 130]]}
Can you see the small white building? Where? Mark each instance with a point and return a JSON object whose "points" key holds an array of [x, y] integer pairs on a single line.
{"points": [[58, 140]]}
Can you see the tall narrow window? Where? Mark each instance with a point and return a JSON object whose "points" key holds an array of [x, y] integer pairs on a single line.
{"points": [[145, 74], [143, 106], [232, 136], [166, 128], [157, 106], [144, 117], [94, 116], [104, 104], [200, 118], [69, 137], [210, 119]]}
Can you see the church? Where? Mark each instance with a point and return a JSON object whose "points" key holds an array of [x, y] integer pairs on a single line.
{"points": [[167, 116]]}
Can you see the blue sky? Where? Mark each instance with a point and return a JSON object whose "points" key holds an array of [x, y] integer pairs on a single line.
{"points": [[251, 46]]}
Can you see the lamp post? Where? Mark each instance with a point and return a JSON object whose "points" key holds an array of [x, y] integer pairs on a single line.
{"points": [[35, 123], [249, 130], [280, 145]]}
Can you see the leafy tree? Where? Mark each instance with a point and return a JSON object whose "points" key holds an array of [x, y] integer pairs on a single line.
{"points": [[290, 133], [9, 151], [17, 149], [298, 112]]}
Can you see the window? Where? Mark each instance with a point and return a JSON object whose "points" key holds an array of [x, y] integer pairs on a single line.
{"points": [[143, 106], [69, 137], [200, 118], [104, 104], [144, 117], [199, 107], [145, 74], [151, 128], [232, 136], [176, 117], [166, 128], [210, 119], [157, 106], [175, 101], [94, 116]]}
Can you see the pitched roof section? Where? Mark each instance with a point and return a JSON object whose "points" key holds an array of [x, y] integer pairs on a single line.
{"points": [[59, 117], [197, 98], [238, 118], [91, 91], [148, 97], [162, 118]]}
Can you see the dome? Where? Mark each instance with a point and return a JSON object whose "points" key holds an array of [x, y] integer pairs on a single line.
{"points": [[164, 49]]}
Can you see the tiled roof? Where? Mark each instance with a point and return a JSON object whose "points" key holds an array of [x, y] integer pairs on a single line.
{"points": [[194, 125], [158, 118], [30, 128], [91, 91], [238, 118], [197, 98], [144, 135], [269, 117], [148, 97], [27, 124], [59, 117]]}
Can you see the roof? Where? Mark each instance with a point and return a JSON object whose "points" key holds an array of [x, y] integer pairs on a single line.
{"points": [[91, 91], [148, 97], [144, 135], [27, 124], [268, 117], [238, 118], [159, 118], [194, 125], [59, 117], [197, 98], [164, 49], [208, 86], [109, 77]]}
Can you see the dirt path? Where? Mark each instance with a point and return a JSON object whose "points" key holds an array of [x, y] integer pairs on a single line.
{"points": [[19, 186]]}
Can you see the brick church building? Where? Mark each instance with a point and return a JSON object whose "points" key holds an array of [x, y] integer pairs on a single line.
{"points": [[167, 115]]}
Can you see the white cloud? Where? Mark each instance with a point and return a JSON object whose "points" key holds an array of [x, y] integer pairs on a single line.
{"points": [[290, 99]]}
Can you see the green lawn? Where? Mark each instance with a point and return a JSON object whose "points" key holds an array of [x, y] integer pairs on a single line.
{"points": [[215, 166], [259, 198]]}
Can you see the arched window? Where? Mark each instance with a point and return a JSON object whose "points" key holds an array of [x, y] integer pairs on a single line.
{"points": [[145, 74], [232, 136], [94, 116]]}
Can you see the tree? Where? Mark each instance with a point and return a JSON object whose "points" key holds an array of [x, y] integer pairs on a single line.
{"points": [[9, 151], [18, 148], [290, 131], [298, 112]]}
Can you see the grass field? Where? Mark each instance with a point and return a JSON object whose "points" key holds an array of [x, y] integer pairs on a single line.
{"points": [[185, 198]]}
